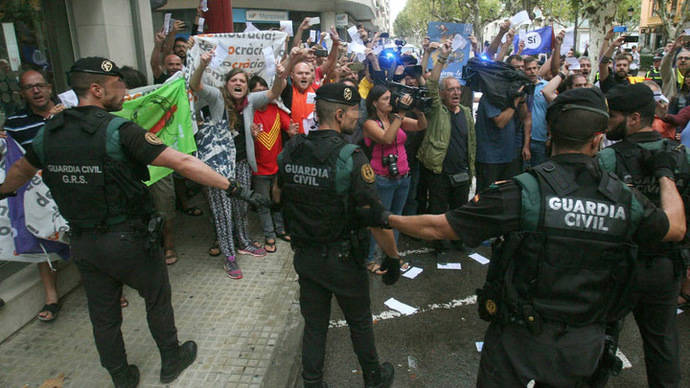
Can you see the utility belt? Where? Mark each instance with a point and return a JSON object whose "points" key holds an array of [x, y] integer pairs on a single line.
{"points": [[680, 256], [356, 247], [151, 229], [493, 308]]}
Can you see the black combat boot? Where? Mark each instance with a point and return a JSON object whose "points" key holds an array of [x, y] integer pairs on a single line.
{"points": [[381, 377], [175, 361], [126, 376], [319, 384]]}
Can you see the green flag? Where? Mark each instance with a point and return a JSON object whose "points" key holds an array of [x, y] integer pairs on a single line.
{"points": [[163, 110]]}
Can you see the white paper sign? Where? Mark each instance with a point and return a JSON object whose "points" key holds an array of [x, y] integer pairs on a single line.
{"points": [[573, 63], [449, 266], [166, 23], [479, 345], [270, 59], [204, 5], [286, 26], [377, 50], [200, 28], [568, 41], [686, 31], [219, 55], [311, 98], [458, 42], [251, 28], [354, 35], [357, 48], [312, 35], [394, 304], [412, 272], [520, 18], [69, 99], [309, 123], [314, 21], [479, 258]]}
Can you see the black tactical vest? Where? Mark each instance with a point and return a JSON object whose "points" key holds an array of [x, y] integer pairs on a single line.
{"points": [[315, 189], [91, 180], [574, 263]]}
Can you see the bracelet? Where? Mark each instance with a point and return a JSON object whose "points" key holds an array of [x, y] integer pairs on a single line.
{"points": [[561, 74], [397, 116]]}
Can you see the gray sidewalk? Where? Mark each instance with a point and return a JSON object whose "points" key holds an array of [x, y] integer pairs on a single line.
{"points": [[247, 330]]}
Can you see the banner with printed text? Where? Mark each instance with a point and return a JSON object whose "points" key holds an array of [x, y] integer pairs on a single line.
{"points": [[163, 110], [459, 36], [244, 50]]}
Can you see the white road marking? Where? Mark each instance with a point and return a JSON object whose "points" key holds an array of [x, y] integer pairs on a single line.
{"points": [[390, 314]]}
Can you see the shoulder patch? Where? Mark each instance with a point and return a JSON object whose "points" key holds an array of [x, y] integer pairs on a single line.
{"points": [[151, 138], [368, 173]]}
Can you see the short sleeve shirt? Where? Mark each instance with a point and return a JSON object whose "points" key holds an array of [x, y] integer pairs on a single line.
{"points": [[494, 144], [537, 106]]}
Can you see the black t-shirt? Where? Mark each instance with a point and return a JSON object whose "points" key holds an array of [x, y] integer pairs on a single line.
{"points": [[497, 211], [413, 142], [456, 155], [240, 139], [134, 146], [612, 81], [161, 78]]}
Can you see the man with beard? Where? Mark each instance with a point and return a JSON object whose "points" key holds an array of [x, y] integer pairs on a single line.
{"points": [[621, 67], [585, 67], [22, 127], [94, 164], [657, 281], [321, 180]]}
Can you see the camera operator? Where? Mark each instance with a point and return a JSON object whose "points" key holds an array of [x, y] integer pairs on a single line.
{"points": [[448, 150], [384, 135]]}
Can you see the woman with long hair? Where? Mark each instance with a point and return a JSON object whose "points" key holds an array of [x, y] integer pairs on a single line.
{"points": [[384, 135]]}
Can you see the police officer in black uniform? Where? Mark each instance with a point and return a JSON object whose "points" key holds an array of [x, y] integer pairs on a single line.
{"points": [[94, 164], [658, 279], [321, 179], [564, 263]]}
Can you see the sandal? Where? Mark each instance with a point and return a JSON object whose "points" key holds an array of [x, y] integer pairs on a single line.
{"points": [[123, 302], [270, 245], [284, 236], [214, 250], [170, 258], [686, 298], [193, 211], [51, 308], [373, 267]]}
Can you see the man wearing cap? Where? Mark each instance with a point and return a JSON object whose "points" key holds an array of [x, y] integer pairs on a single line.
{"points": [[655, 72], [566, 229], [94, 164], [657, 282], [321, 179]]}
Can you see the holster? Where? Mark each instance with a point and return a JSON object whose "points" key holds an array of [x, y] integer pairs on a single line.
{"points": [[609, 364], [359, 245], [154, 235]]}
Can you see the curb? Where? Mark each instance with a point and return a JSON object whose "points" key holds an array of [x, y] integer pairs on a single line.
{"points": [[283, 370]]}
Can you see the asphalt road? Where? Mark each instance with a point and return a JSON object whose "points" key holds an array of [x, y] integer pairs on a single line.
{"points": [[436, 346]]}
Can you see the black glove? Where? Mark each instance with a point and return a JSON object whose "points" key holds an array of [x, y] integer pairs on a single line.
{"points": [[662, 163], [246, 194], [392, 265], [375, 215]]}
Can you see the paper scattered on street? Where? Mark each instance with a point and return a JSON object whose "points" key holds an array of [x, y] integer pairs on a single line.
{"points": [[458, 42], [479, 258], [251, 28], [69, 99], [479, 345], [448, 266], [286, 26], [519, 19], [413, 272], [679, 311], [314, 21], [394, 304]]}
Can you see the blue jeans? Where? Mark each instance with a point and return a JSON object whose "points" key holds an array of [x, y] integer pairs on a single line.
{"points": [[393, 194], [411, 204], [538, 151]]}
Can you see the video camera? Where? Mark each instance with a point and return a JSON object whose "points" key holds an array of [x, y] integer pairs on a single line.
{"points": [[420, 97]]}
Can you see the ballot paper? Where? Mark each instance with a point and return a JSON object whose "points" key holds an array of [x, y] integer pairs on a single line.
{"points": [[458, 42], [251, 28], [357, 48], [479, 346], [394, 304], [479, 258], [377, 49], [286, 26], [200, 27], [573, 63], [448, 266], [270, 59], [312, 35], [522, 35], [204, 5], [354, 35], [166, 23], [69, 99], [568, 41], [519, 19], [314, 21], [679, 311], [219, 55], [412, 272]]}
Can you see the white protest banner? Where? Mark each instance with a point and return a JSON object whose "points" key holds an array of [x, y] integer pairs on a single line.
{"points": [[244, 50], [286, 26]]}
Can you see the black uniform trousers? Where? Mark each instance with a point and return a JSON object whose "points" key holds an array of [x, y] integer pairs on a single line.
{"points": [[655, 295], [325, 271], [106, 261]]}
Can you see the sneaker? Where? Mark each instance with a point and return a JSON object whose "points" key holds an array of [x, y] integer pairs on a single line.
{"points": [[252, 250], [232, 268]]}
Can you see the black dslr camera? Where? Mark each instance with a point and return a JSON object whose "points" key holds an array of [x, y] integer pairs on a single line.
{"points": [[420, 97], [391, 161]]}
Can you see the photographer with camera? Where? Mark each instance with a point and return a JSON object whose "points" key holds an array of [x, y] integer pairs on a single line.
{"points": [[448, 150], [384, 136]]}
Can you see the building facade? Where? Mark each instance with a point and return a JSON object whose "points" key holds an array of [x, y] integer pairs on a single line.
{"points": [[652, 34]]}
